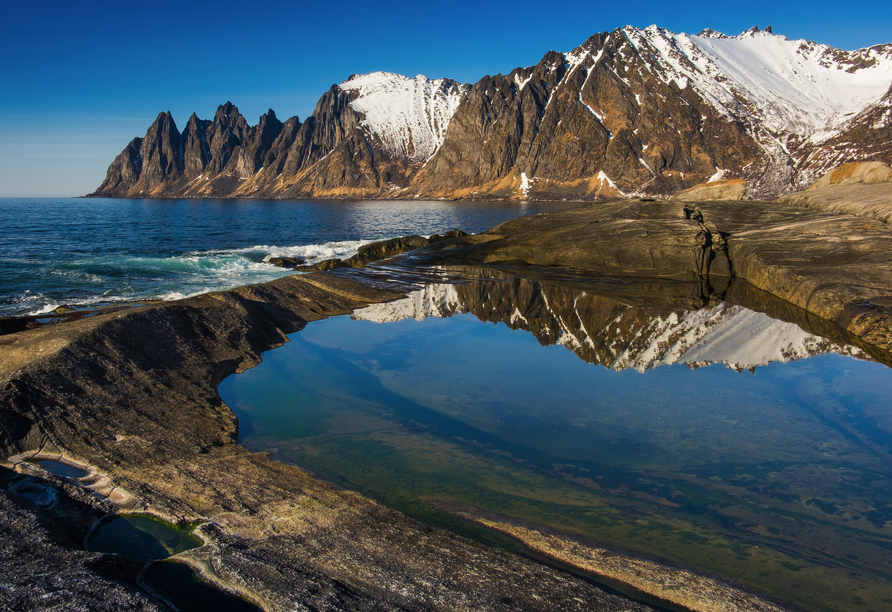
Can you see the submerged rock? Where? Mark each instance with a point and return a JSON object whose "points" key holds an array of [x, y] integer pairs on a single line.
{"points": [[287, 262]]}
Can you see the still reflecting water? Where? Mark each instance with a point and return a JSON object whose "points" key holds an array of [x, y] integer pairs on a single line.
{"points": [[142, 537], [645, 418]]}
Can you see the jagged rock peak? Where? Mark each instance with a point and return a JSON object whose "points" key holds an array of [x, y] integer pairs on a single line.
{"points": [[710, 33], [629, 112], [225, 110], [409, 115]]}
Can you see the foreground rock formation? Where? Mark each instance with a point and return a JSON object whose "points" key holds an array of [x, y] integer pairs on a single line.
{"points": [[863, 189], [132, 396]]}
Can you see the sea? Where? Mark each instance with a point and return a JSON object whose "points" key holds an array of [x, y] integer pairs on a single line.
{"points": [[92, 251]]}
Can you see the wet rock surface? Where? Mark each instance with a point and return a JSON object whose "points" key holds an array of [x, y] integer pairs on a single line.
{"points": [[377, 251], [44, 564], [286, 262], [638, 238]]}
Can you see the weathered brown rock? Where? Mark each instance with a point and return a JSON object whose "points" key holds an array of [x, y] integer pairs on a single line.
{"points": [[852, 173], [322, 266], [385, 249], [376, 251], [856, 188], [734, 189], [286, 262], [865, 200], [652, 239]]}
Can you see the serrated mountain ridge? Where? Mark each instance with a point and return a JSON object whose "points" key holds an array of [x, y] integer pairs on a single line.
{"points": [[630, 112]]}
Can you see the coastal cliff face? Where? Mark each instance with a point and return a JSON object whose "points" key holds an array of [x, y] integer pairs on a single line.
{"points": [[628, 112]]}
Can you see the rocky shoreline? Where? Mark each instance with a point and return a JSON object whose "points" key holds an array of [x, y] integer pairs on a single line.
{"points": [[132, 395]]}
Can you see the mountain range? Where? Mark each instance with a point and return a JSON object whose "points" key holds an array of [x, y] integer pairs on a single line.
{"points": [[632, 112]]}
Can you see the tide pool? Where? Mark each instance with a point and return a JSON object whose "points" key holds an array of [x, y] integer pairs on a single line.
{"points": [[714, 438]]}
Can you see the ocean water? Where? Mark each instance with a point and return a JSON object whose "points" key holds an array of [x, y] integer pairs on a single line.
{"points": [[64, 251]]}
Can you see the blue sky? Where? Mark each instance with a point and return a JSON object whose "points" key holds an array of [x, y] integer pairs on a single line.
{"points": [[80, 79]]}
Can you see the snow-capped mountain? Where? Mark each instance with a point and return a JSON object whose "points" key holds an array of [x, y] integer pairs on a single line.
{"points": [[796, 87], [646, 111], [410, 116], [793, 95], [618, 336], [629, 112]]}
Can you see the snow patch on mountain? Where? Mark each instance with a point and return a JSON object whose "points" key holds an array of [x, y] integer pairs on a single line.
{"points": [[788, 86], [410, 116]]}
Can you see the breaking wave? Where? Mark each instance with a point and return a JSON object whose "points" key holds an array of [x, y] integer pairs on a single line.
{"points": [[109, 279]]}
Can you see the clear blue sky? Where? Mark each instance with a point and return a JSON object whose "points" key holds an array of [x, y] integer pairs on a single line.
{"points": [[80, 79]]}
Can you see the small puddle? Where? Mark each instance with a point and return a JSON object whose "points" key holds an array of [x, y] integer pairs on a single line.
{"points": [[41, 497], [183, 587], [62, 469], [35, 491], [141, 537]]}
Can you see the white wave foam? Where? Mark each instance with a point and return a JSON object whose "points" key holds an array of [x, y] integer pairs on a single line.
{"points": [[172, 277], [317, 252], [342, 249], [45, 309]]}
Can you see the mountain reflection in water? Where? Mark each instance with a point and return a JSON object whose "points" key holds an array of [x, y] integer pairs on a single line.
{"points": [[601, 329], [780, 479]]}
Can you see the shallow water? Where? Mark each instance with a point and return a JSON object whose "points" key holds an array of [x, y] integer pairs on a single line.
{"points": [[716, 438], [141, 537], [62, 469], [184, 588], [56, 251]]}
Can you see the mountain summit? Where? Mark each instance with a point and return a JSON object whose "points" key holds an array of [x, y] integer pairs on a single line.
{"points": [[628, 112]]}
